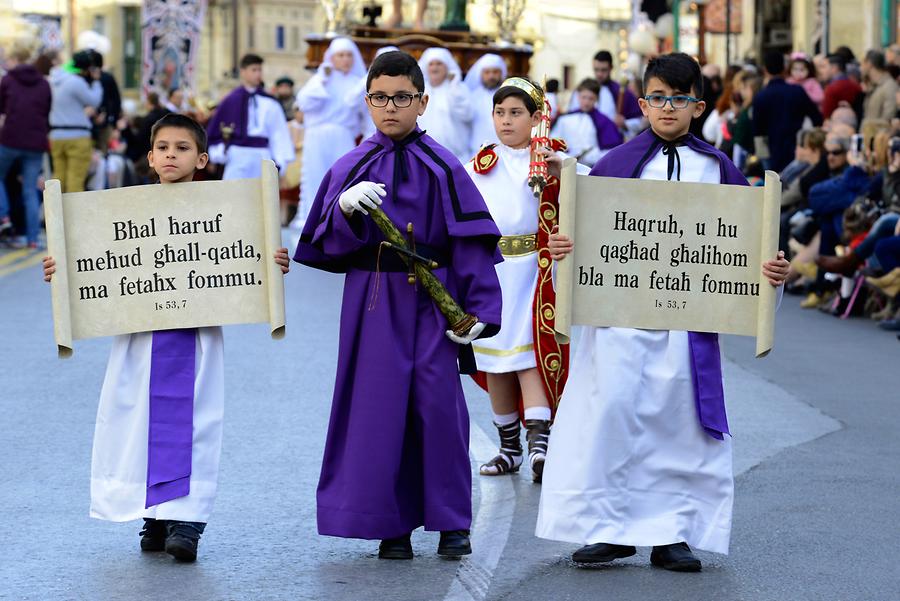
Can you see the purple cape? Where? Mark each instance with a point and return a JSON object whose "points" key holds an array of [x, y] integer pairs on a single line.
{"points": [[608, 135], [396, 454], [630, 107], [232, 112], [628, 161]]}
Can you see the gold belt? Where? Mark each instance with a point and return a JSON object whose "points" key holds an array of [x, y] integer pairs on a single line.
{"points": [[517, 246]]}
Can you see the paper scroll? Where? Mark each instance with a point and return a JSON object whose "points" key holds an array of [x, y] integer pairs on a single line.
{"points": [[160, 257], [667, 255]]}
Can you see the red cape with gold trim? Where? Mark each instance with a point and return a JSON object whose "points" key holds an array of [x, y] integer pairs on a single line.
{"points": [[551, 358]]}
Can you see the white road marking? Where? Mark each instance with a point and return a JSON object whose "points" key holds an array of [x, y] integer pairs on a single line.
{"points": [[766, 419], [490, 527]]}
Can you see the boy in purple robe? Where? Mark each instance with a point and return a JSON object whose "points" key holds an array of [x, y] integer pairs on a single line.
{"points": [[617, 103], [589, 134], [158, 436], [638, 454], [396, 456], [249, 127]]}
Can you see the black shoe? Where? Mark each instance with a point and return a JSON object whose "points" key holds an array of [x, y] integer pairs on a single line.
{"points": [[395, 548], [677, 557], [454, 543], [183, 540], [153, 536], [602, 553]]}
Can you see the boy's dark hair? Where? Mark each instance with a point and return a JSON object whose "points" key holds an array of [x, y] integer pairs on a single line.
{"points": [[590, 84], [774, 62], [603, 57], [181, 122], [552, 86], [251, 59], [838, 61], [876, 59], [397, 64], [506, 91], [677, 70]]}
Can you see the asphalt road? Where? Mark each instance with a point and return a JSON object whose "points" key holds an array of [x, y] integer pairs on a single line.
{"points": [[817, 509]]}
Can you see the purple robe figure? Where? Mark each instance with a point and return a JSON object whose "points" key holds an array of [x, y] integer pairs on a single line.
{"points": [[628, 161], [396, 455], [630, 107], [608, 135], [232, 113]]}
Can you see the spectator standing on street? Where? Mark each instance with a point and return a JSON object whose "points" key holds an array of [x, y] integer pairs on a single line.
{"points": [[840, 88], [74, 96], [110, 108], [881, 101], [778, 113], [25, 106]]}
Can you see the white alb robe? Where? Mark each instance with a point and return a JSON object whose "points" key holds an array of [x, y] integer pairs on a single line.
{"points": [[628, 462], [515, 211], [580, 134], [606, 104], [119, 459], [448, 116], [483, 131], [265, 119], [332, 119]]}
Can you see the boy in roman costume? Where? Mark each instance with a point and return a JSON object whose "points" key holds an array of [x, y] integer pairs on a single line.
{"points": [[159, 424], [523, 361], [249, 127], [396, 456], [332, 117], [640, 452]]}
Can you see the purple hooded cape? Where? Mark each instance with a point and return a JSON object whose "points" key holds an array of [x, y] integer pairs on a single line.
{"points": [[630, 107], [233, 112], [396, 454], [628, 161]]}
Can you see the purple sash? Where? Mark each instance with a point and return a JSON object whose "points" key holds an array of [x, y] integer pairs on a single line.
{"points": [[233, 112], [170, 436], [608, 135]]}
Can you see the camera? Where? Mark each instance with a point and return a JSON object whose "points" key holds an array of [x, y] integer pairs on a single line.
{"points": [[856, 144]]}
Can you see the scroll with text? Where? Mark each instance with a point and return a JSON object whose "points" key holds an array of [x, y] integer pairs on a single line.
{"points": [[667, 255], [160, 257]]}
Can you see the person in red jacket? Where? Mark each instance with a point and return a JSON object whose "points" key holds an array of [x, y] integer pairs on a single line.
{"points": [[840, 87], [25, 103]]}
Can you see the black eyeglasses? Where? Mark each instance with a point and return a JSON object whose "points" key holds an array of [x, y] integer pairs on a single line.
{"points": [[836, 153], [401, 101]]}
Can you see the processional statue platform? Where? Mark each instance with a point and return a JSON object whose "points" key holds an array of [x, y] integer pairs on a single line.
{"points": [[466, 47]]}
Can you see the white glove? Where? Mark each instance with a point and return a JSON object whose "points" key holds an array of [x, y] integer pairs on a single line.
{"points": [[361, 196], [474, 331]]}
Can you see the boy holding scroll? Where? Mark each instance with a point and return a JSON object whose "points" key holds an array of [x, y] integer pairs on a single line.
{"points": [[396, 456], [159, 424], [638, 453]]}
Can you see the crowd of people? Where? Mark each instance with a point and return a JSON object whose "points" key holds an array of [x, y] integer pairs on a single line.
{"points": [[829, 126]]}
